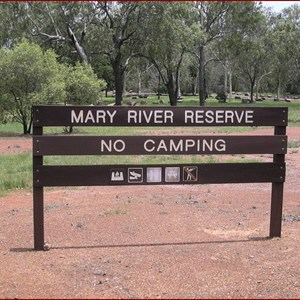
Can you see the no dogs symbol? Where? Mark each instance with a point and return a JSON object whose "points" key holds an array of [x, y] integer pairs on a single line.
{"points": [[190, 173]]}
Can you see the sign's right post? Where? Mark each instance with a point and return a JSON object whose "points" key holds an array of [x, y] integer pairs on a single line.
{"points": [[277, 193]]}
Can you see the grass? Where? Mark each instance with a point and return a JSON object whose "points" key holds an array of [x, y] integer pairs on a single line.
{"points": [[15, 172], [116, 211], [10, 129], [15, 169], [126, 159], [294, 144]]}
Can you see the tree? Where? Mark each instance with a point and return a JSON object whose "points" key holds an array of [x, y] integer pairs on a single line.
{"points": [[253, 62], [14, 23], [30, 76], [209, 23], [103, 69], [284, 37], [254, 53], [111, 35], [76, 85], [23, 72], [166, 34], [63, 26], [116, 31]]}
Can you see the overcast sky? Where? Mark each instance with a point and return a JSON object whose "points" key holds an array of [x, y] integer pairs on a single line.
{"points": [[277, 6]]}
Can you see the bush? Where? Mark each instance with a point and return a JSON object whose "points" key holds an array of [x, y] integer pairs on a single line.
{"points": [[24, 72], [82, 85], [221, 96], [30, 76]]}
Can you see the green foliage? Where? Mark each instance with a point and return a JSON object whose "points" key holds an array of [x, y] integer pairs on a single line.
{"points": [[221, 96], [170, 30], [53, 91], [72, 85], [14, 23], [24, 72], [30, 76], [82, 85], [243, 45]]}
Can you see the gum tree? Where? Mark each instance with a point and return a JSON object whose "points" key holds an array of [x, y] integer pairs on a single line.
{"points": [[209, 26], [115, 32], [284, 39], [254, 51], [166, 30]]}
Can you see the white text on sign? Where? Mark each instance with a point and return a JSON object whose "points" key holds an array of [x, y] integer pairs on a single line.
{"points": [[166, 146], [159, 116]]}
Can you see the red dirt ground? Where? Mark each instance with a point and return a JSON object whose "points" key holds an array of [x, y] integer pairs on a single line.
{"points": [[201, 241]]}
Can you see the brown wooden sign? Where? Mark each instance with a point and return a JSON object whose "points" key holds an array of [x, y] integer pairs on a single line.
{"points": [[163, 116], [158, 174], [158, 145]]}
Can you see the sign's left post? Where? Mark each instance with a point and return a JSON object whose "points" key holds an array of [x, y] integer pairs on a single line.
{"points": [[38, 191]]}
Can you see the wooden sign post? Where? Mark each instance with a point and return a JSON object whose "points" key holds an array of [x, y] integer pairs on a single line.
{"points": [[103, 175]]}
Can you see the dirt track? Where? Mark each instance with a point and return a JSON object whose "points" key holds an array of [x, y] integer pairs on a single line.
{"points": [[204, 241]]}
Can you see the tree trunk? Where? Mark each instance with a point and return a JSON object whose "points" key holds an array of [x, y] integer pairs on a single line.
{"points": [[172, 96], [30, 124], [119, 82], [195, 84], [226, 78], [25, 130], [278, 87], [201, 76], [178, 86], [158, 87], [124, 83], [252, 90], [26, 127], [80, 51], [230, 83], [139, 81], [172, 90]]}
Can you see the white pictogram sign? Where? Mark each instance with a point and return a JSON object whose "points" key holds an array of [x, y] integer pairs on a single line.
{"points": [[154, 174], [190, 173], [135, 175], [172, 174], [117, 175]]}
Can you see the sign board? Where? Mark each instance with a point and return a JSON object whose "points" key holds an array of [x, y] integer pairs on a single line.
{"points": [[157, 145], [163, 116], [158, 174], [161, 174]]}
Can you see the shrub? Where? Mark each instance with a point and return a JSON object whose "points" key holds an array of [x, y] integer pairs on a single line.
{"points": [[221, 96]]}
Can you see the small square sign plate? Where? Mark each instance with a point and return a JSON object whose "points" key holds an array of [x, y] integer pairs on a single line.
{"points": [[154, 174], [135, 175], [190, 173], [172, 174], [117, 175]]}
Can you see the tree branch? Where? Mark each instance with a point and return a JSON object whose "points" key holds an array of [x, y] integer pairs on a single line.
{"points": [[76, 45]]}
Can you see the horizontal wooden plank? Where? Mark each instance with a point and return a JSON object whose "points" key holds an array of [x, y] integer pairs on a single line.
{"points": [[157, 145], [161, 116], [158, 174]]}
